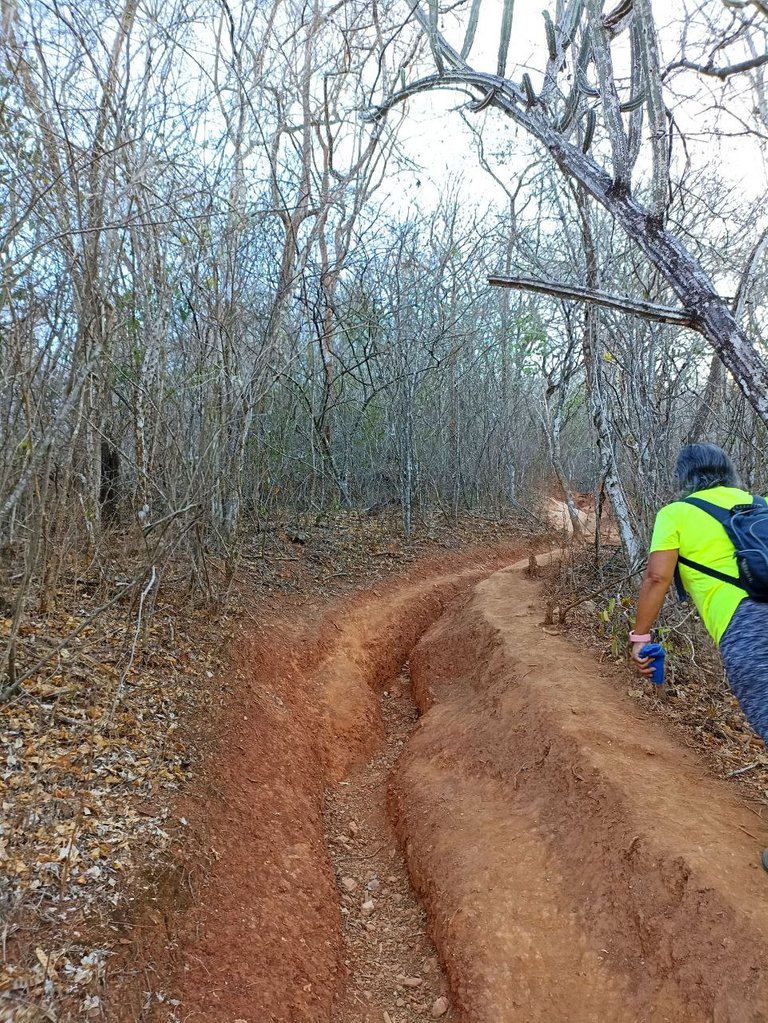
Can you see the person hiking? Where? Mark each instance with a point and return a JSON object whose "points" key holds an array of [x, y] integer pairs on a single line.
{"points": [[687, 535]]}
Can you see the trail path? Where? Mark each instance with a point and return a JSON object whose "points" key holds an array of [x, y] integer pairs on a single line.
{"points": [[569, 858]]}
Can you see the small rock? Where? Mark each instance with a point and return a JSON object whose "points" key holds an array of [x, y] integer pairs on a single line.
{"points": [[412, 982], [368, 907], [400, 1003], [387, 1017], [439, 1007], [373, 885], [348, 884], [353, 827]]}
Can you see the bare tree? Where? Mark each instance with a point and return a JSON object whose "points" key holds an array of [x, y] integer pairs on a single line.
{"points": [[581, 109]]}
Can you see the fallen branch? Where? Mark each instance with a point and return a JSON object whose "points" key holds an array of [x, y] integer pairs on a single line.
{"points": [[575, 293], [742, 828], [563, 611], [743, 770], [169, 517]]}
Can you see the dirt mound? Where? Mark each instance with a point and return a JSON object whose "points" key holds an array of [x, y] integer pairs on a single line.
{"points": [[566, 848], [555, 512]]}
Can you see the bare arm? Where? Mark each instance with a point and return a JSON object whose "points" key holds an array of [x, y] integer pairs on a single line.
{"points": [[658, 575]]}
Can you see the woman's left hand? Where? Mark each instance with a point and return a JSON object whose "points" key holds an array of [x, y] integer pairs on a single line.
{"points": [[642, 664]]}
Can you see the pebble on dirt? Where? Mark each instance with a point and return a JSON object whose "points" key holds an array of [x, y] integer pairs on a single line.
{"points": [[440, 1007]]}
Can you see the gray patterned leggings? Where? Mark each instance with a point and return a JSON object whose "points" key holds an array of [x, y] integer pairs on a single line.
{"points": [[744, 650]]}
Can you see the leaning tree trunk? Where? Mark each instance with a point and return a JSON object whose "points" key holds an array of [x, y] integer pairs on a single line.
{"points": [[551, 420]]}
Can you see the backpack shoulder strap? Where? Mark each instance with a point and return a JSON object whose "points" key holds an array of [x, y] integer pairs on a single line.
{"points": [[682, 593], [722, 515], [722, 576]]}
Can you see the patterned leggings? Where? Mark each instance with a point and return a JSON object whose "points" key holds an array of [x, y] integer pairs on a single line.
{"points": [[744, 650]]}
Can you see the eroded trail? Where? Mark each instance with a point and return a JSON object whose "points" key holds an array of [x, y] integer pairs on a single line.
{"points": [[264, 942], [571, 859], [393, 972]]}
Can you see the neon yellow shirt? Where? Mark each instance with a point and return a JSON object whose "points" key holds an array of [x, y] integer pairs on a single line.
{"points": [[696, 535]]}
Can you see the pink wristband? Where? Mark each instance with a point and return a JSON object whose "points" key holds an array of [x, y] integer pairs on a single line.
{"points": [[635, 638]]}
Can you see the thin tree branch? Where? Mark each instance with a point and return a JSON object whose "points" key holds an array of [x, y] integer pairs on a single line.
{"points": [[719, 72]]}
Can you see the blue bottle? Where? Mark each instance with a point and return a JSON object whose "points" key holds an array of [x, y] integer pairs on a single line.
{"points": [[657, 653]]}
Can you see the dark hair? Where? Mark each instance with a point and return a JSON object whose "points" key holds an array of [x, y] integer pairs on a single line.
{"points": [[701, 466]]}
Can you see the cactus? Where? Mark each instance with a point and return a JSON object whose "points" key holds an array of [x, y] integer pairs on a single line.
{"points": [[469, 38], [530, 95], [583, 83], [484, 102], [571, 107], [589, 131], [506, 32], [585, 54], [634, 103], [433, 31], [551, 39], [571, 21]]}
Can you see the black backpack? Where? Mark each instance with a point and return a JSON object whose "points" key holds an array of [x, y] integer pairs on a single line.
{"points": [[747, 529]]}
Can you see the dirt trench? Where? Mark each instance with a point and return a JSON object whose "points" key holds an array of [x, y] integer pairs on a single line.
{"points": [[264, 942], [570, 859], [393, 972]]}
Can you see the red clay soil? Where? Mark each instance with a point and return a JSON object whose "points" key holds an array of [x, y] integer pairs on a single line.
{"points": [[576, 863], [264, 944]]}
